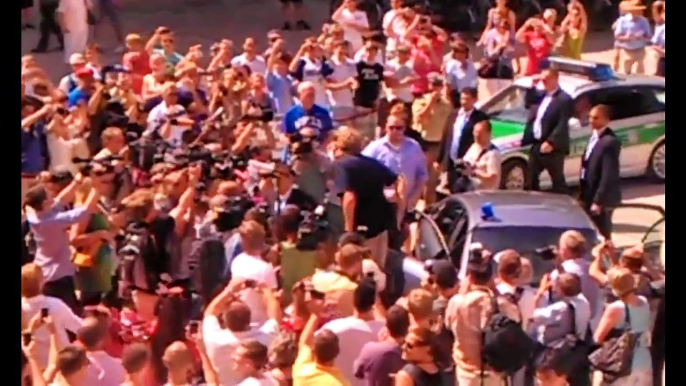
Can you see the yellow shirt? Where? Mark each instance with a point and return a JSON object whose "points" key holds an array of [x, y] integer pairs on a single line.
{"points": [[307, 372], [431, 125]]}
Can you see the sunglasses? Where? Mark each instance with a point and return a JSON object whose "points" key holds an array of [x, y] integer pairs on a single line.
{"points": [[396, 128]]}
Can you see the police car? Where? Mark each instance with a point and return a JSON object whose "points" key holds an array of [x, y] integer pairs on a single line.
{"points": [[637, 105]]}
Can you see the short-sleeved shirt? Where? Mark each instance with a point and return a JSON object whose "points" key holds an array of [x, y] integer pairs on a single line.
{"points": [[172, 58], [316, 117], [307, 372], [281, 91], [315, 72], [537, 48], [78, 96], [369, 78], [367, 178], [377, 361]]}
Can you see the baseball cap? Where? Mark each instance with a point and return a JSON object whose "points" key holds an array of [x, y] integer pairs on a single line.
{"points": [[84, 72], [77, 58], [444, 273]]}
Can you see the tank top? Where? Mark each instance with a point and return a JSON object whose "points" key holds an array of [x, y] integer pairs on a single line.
{"points": [[573, 45]]}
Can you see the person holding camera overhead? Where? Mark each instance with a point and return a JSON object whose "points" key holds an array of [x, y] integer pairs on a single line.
{"points": [[458, 136], [168, 118]]}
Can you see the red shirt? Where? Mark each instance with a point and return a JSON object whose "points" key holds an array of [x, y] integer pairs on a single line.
{"points": [[139, 65], [537, 48]]}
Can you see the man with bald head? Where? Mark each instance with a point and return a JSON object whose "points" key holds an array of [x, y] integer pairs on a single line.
{"points": [[599, 188], [103, 369]]}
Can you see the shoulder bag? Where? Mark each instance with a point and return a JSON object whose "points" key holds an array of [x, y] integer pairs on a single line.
{"points": [[615, 354], [568, 353]]}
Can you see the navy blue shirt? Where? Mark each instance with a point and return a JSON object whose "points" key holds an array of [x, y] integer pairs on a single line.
{"points": [[367, 178]]}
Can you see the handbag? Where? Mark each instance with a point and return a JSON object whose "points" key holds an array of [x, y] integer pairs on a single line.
{"points": [[567, 354], [615, 355]]}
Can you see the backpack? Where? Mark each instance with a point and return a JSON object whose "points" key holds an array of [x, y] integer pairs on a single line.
{"points": [[506, 347], [567, 354], [134, 272], [208, 266]]}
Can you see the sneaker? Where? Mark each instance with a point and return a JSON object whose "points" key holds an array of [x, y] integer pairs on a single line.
{"points": [[302, 25], [286, 26]]}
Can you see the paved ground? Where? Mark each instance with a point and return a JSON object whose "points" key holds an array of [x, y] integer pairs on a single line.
{"points": [[206, 21]]}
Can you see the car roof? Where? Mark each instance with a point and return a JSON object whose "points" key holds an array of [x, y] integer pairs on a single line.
{"points": [[574, 85], [525, 209]]}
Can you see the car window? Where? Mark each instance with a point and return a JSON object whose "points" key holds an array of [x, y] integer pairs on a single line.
{"points": [[627, 102], [635, 223], [441, 220], [508, 105], [654, 98], [526, 240]]}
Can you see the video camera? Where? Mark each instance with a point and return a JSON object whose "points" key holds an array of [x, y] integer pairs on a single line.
{"points": [[87, 164], [313, 230], [301, 144], [463, 182], [231, 216]]}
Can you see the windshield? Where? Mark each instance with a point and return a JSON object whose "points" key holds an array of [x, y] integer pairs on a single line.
{"points": [[508, 105], [526, 240]]}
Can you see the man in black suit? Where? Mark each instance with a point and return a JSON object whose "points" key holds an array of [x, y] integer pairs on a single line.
{"points": [[600, 191], [458, 134], [547, 131]]}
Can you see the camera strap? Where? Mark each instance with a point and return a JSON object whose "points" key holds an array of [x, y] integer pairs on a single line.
{"points": [[484, 151]]}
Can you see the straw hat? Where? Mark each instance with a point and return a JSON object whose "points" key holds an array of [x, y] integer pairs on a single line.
{"points": [[634, 6], [621, 281]]}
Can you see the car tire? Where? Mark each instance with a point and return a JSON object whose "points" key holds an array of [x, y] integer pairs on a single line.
{"points": [[518, 166], [657, 156]]}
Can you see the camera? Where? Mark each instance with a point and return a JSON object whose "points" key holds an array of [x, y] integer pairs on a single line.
{"points": [[463, 182], [87, 164], [547, 253], [231, 216], [301, 144], [313, 230]]}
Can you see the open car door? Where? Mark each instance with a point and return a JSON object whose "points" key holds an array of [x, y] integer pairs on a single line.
{"points": [[635, 223]]}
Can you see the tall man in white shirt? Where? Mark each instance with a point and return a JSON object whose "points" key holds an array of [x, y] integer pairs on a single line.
{"points": [[547, 130], [72, 18]]}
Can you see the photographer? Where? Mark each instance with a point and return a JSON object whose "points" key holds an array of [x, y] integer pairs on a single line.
{"points": [[278, 188], [483, 159], [168, 119]]}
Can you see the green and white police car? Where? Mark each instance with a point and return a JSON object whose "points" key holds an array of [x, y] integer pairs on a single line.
{"points": [[637, 104]]}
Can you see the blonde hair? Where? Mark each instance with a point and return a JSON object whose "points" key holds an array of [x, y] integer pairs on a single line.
{"points": [[621, 281], [420, 304], [31, 280], [252, 235], [348, 140]]}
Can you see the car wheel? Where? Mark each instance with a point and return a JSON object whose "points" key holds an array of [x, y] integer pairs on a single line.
{"points": [[514, 175], [656, 163]]}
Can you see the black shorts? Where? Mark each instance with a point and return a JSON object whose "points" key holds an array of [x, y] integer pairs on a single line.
{"points": [[291, 1]]}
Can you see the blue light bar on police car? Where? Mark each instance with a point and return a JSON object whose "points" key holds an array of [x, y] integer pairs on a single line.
{"points": [[594, 71]]}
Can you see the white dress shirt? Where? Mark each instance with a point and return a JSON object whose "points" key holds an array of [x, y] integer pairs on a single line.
{"points": [[537, 128], [589, 149], [553, 322]]}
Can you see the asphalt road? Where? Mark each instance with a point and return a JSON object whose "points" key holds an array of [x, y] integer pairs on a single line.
{"points": [[631, 224]]}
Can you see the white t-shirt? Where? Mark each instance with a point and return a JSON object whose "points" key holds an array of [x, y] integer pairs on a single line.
{"points": [[221, 344], [266, 380], [341, 72], [527, 301], [352, 333], [257, 65], [357, 18], [159, 114], [75, 15], [245, 266], [314, 72], [400, 73]]}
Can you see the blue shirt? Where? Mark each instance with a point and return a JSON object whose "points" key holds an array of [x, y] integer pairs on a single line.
{"points": [[629, 25], [77, 95], [281, 90], [34, 149], [316, 117], [173, 58], [49, 229], [407, 160], [460, 78]]}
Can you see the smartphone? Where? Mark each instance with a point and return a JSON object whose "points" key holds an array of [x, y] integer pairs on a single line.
{"points": [[250, 283], [193, 326], [26, 338], [43, 313]]}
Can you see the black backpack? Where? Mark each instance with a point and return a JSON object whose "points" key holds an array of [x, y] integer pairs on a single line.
{"points": [[567, 354], [135, 273], [208, 266], [506, 347]]}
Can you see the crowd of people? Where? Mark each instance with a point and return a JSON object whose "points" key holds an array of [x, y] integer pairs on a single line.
{"points": [[231, 218]]}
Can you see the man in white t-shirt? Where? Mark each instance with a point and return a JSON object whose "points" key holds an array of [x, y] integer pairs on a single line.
{"points": [[250, 58], [72, 18], [353, 21], [484, 159], [401, 67], [341, 81], [250, 266], [355, 331], [222, 343], [169, 118]]}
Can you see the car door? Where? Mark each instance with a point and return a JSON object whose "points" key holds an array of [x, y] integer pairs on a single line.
{"points": [[636, 116], [635, 223]]}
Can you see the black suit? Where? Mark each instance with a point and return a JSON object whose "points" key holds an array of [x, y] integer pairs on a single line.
{"points": [[555, 131], [600, 179], [466, 140]]}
